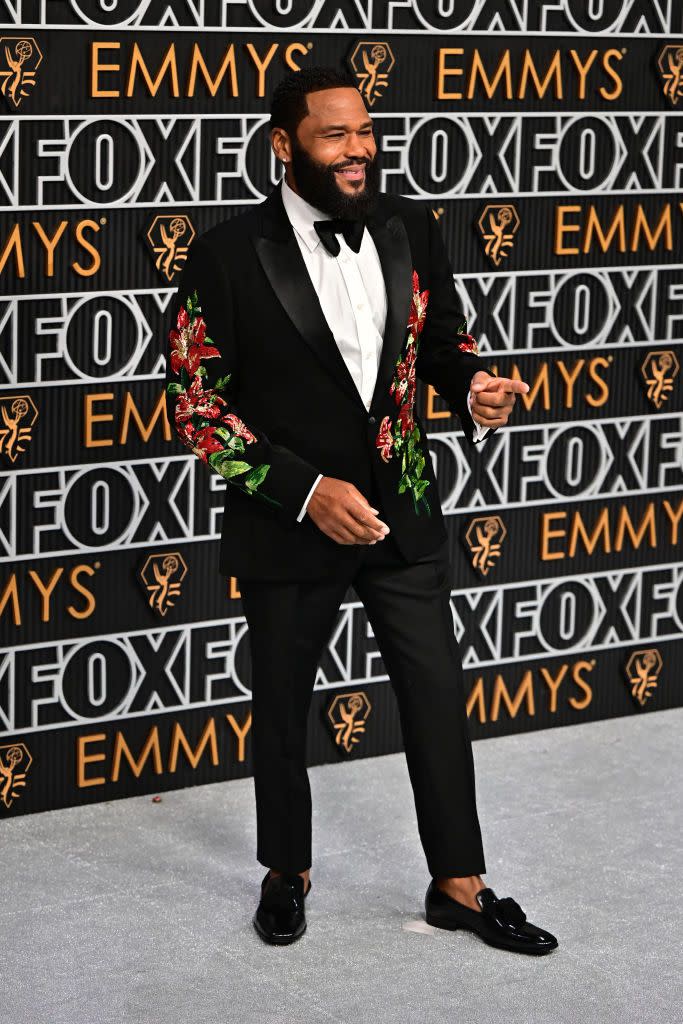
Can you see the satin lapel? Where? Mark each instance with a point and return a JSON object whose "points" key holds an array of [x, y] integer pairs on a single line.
{"points": [[280, 256], [393, 248]]}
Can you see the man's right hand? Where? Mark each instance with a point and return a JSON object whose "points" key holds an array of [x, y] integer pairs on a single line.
{"points": [[340, 510]]}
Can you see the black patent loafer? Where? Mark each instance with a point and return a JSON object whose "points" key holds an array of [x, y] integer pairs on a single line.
{"points": [[500, 922], [280, 917]]}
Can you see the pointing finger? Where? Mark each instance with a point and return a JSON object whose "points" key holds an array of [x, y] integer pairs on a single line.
{"points": [[515, 387]]}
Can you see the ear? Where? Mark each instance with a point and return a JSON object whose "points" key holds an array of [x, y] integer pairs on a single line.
{"points": [[282, 145]]}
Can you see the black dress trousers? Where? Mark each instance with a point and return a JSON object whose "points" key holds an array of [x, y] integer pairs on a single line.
{"points": [[408, 608]]}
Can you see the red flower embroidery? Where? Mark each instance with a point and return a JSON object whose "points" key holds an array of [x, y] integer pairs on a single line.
{"points": [[384, 441], [403, 385], [418, 307], [205, 443], [198, 402], [469, 344], [185, 429], [238, 427], [399, 385], [401, 436], [405, 418], [221, 441], [188, 345]]}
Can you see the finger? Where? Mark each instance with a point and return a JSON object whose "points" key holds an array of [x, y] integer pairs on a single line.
{"points": [[517, 387], [351, 539], [343, 536], [369, 521], [364, 514], [488, 411], [361, 532], [361, 514], [368, 535], [361, 500], [481, 380], [491, 399], [488, 419]]}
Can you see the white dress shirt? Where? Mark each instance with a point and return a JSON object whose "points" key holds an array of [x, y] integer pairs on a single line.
{"points": [[352, 294]]}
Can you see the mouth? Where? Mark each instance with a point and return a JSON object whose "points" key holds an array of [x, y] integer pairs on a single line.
{"points": [[355, 173]]}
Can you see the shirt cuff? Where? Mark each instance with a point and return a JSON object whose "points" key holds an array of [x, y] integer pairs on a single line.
{"points": [[308, 498], [479, 430]]}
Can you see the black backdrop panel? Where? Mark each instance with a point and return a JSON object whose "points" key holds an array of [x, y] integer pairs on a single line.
{"points": [[546, 138]]}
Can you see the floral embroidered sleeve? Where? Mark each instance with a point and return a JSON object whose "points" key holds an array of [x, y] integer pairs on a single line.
{"points": [[399, 437], [200, 369], [447, 357]]}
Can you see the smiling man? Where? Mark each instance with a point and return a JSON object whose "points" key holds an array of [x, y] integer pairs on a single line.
{"points": [[299, 331]]}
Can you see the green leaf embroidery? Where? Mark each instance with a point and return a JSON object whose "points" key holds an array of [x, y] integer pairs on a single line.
{"points": [[226, 465], [216, 458], [256, 476]]}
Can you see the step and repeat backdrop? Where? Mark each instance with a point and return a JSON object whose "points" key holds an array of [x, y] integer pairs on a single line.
{"points": [[547, 138]]}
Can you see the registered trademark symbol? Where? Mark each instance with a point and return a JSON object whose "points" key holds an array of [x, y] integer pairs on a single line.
{"points": [[623, 49], [610, 359], [309, 46], [103, 220], [97, 565], [593, 662]]}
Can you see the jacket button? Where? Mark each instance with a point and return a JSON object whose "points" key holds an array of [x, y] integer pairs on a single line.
{"points": [[372, 419]]}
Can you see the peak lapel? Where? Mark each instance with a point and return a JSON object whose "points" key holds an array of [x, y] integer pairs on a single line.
{"points": [[280, 256], [281, 259], [391, 241]]}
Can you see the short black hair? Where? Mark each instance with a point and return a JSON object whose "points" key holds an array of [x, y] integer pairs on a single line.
{"points": [[288, 103]]}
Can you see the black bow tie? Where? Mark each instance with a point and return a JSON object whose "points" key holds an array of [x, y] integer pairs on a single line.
{"points": [[352, 231]]}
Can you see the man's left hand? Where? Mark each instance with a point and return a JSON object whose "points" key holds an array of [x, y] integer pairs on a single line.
{"points": [[493, 398]]}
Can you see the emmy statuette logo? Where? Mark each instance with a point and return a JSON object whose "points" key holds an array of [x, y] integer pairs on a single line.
{"points": [[348, 714], [15, 761], [484, 538], [162, 575], [670, 64], [642, 671], [371, 64], [17, 416], [20, 57], [498, 226], [659, 371], [169, 237]]}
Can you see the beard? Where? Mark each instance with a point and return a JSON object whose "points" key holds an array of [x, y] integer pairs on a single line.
{"points": [[317, 184]]}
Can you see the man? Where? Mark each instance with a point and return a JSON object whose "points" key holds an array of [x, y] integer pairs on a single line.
{"points": [[299, 329]]}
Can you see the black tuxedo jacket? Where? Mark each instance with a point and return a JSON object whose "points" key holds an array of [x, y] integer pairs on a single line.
{"points": [[257, 388]]}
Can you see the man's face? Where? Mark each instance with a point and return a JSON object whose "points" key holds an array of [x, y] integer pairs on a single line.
{"points": [[334, 164]]}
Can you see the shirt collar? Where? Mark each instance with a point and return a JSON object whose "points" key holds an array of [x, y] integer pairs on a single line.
{"points": [[301, 215]]}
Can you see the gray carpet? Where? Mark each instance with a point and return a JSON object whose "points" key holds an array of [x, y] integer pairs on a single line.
{"points": [[132, 911]]}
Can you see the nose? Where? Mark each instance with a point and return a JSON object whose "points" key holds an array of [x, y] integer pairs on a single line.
{"points": [[357, 147]]}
